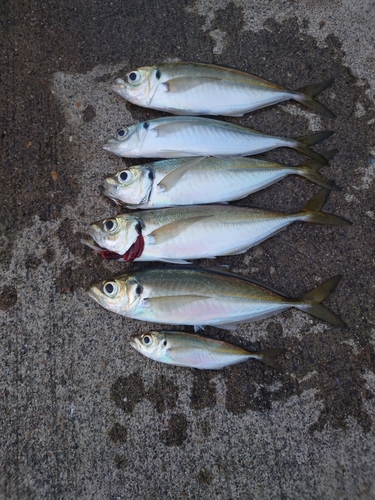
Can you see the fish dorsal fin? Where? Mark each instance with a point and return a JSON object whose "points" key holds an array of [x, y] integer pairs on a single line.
{"points": [[185, 83], [171, 179], [173, 229], [171, 303]]}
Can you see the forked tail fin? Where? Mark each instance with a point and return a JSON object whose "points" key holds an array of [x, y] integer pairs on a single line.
{"points": [[302, 143], [311, 302], [309, 169], [307, 94]]}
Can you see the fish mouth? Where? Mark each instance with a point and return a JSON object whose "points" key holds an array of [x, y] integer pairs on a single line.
{"points": [[109, 189], [119, 89], [91, 292]]}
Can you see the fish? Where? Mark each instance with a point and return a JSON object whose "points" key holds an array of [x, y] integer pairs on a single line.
{"points": [[186, 181], [191, 136], [180, 234], [195, 351], [187, 295], [206, 89]]}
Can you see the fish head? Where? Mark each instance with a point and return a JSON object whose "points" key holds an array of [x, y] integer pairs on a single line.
{"points": [[151, 344], [131, 186], [121, 295], [125, 142], [116, 234], [138, 86]]}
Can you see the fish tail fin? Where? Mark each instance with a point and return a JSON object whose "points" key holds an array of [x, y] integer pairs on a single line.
{"points": [[311, 212], [301, 144], [307, 94], [268, 357], [309, 169], [311, 302]]}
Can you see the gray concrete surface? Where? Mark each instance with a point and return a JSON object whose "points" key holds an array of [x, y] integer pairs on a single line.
{"points": [[82, 414]]}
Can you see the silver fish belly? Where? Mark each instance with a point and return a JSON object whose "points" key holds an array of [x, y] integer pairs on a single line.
{"points": [[176, 137], [207, 89]]}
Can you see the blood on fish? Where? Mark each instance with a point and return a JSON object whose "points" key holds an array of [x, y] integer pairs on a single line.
{"points": [[107, 254], [135, 250]]}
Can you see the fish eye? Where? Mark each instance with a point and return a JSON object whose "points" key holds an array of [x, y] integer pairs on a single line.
{"points": [[134, 77], [124, 176], [110, 288], [122, 133], [110, 225], [147, 340]]}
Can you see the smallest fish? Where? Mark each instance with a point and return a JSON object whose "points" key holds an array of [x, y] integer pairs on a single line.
{"points": [[196, 351]]}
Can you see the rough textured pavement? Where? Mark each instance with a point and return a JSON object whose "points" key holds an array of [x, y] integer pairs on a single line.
{"points": [[82, 414]]}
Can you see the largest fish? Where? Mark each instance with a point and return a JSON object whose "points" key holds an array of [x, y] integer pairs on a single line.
{"points": [[185, 136], [206, 89], [197, 232], [194, 296]]}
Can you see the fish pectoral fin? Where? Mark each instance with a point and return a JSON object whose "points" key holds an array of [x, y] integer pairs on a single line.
{"points": [[166, 129], [173, 230], [170, 180], [171, 303], [186, 83]]}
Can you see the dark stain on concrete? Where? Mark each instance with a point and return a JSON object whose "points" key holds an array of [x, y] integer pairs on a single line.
{"points": [[126, 392], [203, 393], [117, 433], [32, 262], [176, 432], [121, 462], [8, 297], [163, 395], [204, 476], [89, 113]]}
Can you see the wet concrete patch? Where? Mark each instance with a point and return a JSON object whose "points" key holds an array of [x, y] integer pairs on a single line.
{"points": [[163, 395], [176, 433], [117, 433], [8, 297], [126, 392]]}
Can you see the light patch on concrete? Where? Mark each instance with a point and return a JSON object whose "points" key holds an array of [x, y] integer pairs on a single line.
{"points": [[341, 18], [359, 110], [314, 120], [353, 345], [91, 89], [368, 176], [219, 38]]}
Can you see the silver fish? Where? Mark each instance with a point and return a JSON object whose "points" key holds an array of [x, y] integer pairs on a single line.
{"points": [[200, 180], [186, 136], [195, 351], [196, 232], [207, 89], [193, 296]]}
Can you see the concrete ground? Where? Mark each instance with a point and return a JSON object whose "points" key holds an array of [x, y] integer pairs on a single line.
{"points": [[84, 416]]}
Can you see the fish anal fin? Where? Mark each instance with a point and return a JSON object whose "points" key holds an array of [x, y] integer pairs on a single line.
{"points": [[173, 229]]}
